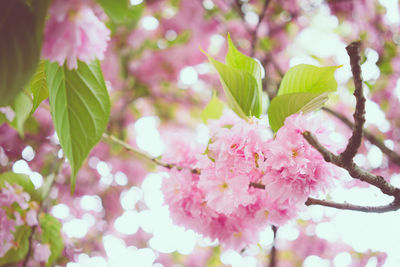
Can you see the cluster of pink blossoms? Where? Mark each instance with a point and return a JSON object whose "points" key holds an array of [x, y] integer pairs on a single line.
{"points": [[74, 32], [16, 209], [222, 200], [12, 216]]}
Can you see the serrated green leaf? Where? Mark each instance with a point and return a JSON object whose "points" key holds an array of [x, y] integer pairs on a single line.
{"points": [[308, 78], [38, 86], [285, 105], [18, 252], [51, 234], [22, 180], [121, 11], [80, 107], [21, 30], [22, 107], [213, 110]]}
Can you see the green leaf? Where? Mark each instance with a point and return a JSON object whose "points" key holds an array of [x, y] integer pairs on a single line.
{"points": [[182, 38], [213, 110], [303, 88], [21, 30], [308, 78], [51, 234], [285, 105], [38, 86], [17, 253], [80, 107], [243, 101], [22, 107], [242, 62], [44, 190], [241, 80], [121, 11], [2, 118], [22, 180]]}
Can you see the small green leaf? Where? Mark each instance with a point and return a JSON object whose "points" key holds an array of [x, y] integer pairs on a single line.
{"points": [[51, 234], [285, 105], [18, 252], [22, 107], [21, 30], [241, 80], [121, 11], [213, 110], [38, 86], [80, 107], [182, 38], [308, 78]]}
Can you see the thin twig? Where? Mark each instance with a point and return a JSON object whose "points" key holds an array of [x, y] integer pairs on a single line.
{"points": [[394, 205], [143, 154], [354, 143], [393, 156], [273, 258], [136, 151], [254, 33], [237, 5]]}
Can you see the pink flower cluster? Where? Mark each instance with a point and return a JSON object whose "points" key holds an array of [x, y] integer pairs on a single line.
{"points": [[221, 199], [74, 32], [15, 210]]}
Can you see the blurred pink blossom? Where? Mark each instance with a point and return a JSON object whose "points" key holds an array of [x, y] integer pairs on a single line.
{"points": [[73, 33]]}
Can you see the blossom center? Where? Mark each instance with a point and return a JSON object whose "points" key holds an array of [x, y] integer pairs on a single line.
{"points": [[224, 186]]}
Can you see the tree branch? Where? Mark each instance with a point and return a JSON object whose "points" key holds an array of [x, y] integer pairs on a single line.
{"points": [[393, 156], [354, 170], [394, 205], [354, 143], [346, 206]]}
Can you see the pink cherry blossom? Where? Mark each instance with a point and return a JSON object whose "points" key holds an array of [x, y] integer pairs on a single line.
{"points": [[31, 217], [73, 33], [7, 227], [294, 169], [41, 252], [8, 196]]}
